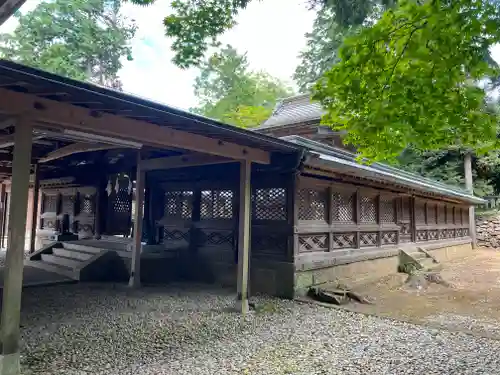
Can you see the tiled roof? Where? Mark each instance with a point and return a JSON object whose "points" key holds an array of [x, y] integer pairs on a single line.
{"points": [[294, 110], [332, 156]]}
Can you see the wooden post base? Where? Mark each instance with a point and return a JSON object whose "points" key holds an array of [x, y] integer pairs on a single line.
{"points": [[9, 364]]}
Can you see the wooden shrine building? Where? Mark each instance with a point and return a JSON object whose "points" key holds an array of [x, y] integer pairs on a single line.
{"points": [[128, 189]]}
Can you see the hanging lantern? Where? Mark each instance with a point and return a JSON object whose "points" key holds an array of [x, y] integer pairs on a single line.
{"points": [[129, 186], [117, 185], [109, 188]]}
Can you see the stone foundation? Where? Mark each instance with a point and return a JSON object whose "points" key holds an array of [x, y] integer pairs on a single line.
{"points": [[369, 270], [488, 231]]}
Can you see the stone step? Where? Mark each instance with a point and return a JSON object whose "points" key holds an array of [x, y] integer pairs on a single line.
{"points": [[417, 255], [73, 254], [61, 261], [82, 248], [428, 264], [54, 268]]}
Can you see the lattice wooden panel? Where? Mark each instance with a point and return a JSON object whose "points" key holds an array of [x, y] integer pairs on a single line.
{"points": [[179, 204], [312, 204], [175, 235], [389, 238], [274, 244], [420, 212], [441, 214], [421, 235], [269, 204], [343, 207], [314, 242], [450, 233], [87, 204], [449, 214], [459, 232], [431, 213], [50, 203], [442, 234], [368, 206], [123, 202], [344, 240], [216, 238], [432, 234], [368, 239], [387, 209], [216, 204]]}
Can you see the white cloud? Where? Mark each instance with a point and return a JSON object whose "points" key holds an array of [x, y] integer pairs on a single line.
{"points": [[270, 31]]}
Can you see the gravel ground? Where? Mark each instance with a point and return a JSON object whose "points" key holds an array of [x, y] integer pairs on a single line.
{"points": [[109, 329]]}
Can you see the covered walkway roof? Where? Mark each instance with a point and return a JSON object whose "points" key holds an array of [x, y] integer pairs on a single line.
{"points": [[62, 107], [78, 123]]}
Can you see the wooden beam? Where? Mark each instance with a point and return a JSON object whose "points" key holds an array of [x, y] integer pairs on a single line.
{"points": [[190, 160], [8, 140], [75, 148], [34, 213], [13, 273], [244, 236], [469, 185], [66, 116], [135, 269]]}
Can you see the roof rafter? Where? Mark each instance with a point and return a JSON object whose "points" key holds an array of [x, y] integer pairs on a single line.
{"points": [[75, 148]]}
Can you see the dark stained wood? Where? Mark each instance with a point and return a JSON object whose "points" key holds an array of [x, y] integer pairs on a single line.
{"points": [[293, 215], [3, 212], [357, 211], [34, 214], [68, 117]]}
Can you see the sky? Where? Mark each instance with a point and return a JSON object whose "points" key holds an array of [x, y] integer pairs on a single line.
{"points": [[270, 31]]}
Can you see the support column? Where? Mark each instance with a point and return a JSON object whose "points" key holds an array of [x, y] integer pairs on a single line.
{"points": [[244, 236], [470, 187], [99, 206], [135, 269], [34, 213], [13, 276], [6, 205], [148, 216], [3, 205]]}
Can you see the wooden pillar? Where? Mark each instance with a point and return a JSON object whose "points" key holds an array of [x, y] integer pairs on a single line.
{"points": [[34, 213], [6, 205], [413, 219], [100, 196], [194, 238], [244, 235], [135, 269], [148, 227], [13, 273], [470, 187], [3, 205], [357, 213], [329, 217]]}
